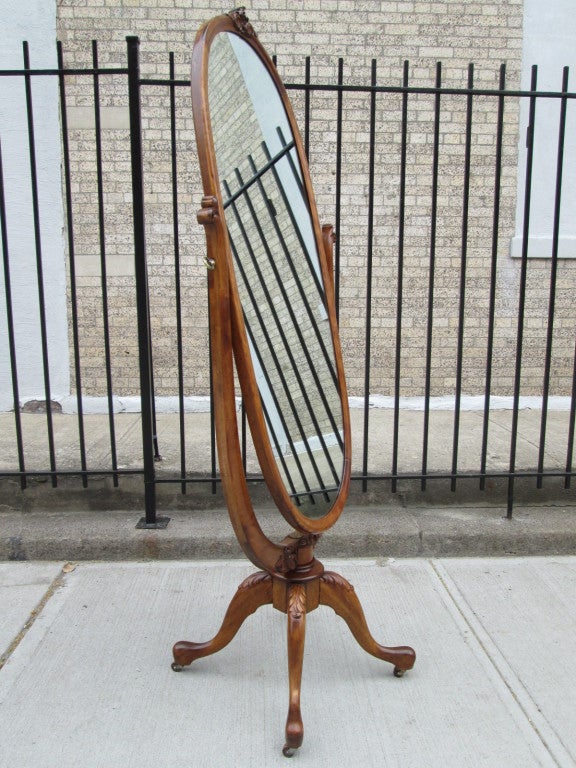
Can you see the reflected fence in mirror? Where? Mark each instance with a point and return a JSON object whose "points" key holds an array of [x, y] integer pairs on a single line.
{"points": [[277, 273], [298, 388]]}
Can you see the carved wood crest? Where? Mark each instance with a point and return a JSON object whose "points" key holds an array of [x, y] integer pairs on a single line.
{"points": [[241, 22]]}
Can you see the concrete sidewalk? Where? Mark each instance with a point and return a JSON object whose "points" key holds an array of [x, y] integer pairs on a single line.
{"points": [[86, 676], [128, 437]]}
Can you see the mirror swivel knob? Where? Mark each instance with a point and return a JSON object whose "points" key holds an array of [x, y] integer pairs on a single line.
{"points": [[209, 210]]}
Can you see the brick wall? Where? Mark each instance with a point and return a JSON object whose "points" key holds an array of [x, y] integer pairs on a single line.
{"points": [[486, 33]]}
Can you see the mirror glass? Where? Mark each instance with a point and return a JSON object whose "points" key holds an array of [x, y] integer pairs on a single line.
{"points": [[277, 271]]}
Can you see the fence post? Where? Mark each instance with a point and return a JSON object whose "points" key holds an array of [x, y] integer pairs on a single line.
{"points": [[150, 520]]}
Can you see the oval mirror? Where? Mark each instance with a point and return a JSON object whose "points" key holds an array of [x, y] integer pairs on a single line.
{"points": [[286, 348]]}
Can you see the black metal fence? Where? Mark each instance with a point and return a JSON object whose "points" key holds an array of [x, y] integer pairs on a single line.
{"points": [[502, 101]]}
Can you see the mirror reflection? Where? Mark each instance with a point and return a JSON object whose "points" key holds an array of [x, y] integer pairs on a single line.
{"points": [[277, 272]]}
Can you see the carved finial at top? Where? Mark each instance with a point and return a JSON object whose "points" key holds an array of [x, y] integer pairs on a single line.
{"points": [[241, 22]]}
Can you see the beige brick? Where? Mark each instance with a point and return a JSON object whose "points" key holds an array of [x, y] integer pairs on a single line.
{"points": [[423, 32]]}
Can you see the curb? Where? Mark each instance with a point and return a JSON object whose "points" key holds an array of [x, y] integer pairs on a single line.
{"points": [[367, 531]]}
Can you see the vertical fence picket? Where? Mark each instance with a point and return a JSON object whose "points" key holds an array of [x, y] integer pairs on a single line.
{"points": [[10, 329], [177, 273], [72, 263], [369, 265], [400, 276], [103, 265], [431, 278], [338, 190], [213, 449], [553, 279], [462, 289], [39, 264], [571, 428], [522, 291], [142, 291], [493, 276], [307, 107]]}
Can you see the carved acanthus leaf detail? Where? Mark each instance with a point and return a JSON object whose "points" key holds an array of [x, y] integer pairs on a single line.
{"points": [[297, 601], [241, 22], [253, 579], [329, 577]]}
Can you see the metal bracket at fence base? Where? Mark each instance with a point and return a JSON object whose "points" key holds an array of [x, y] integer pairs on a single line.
{"points": [[159, 524]]}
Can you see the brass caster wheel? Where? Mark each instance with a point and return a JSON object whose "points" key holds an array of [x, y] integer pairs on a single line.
{"points": [[399, 672], [177, 667], [288, 751]]}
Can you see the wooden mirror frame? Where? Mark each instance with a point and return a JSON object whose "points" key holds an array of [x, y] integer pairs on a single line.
{"points": [[290, 579], [226, 320]]}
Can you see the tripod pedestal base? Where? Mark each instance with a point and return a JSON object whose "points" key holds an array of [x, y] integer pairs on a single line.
{"points": [[297, 595]]}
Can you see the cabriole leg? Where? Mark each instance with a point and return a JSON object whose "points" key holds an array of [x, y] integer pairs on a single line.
{"points": [[296, 633], [253, 592], [339, 594]]}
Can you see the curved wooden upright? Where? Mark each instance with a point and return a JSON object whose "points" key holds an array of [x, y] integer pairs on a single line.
{"points": [[290, 577]]}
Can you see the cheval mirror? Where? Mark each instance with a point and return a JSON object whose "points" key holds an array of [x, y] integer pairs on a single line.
{"points": [[272, 311]]}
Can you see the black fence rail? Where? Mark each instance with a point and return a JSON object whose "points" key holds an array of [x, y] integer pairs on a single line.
{"points": [[391, 222]]}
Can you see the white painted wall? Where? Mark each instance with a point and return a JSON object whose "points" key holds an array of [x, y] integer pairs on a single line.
{"points": [[549, 41], [34, 21]]}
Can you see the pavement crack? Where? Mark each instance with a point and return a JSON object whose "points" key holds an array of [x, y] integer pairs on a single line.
{"points": [[52, 589]]}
